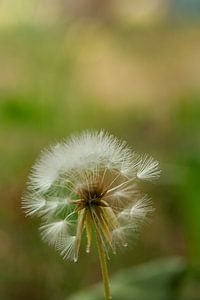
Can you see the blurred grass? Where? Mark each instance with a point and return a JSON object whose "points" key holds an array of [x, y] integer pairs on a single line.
{"points": [[55, 81]]}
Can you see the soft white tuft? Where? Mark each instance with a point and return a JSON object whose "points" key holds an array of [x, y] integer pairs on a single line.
{"points": [[139, 212], [66, 247], [142, 209], [53, 233], [82, 152], [33, 204], [148, 168]]}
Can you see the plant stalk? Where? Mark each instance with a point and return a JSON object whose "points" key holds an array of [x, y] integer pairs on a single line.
{"points": [[104, 268]]}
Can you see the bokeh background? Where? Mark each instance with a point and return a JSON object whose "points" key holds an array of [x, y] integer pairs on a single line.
{"points": [[131, 67]]}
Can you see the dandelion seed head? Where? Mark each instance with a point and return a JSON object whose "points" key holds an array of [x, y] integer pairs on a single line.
{"points": [[89, 182]]}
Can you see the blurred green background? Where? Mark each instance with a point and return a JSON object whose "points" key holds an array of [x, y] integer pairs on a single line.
{"points": [[132, 68]]}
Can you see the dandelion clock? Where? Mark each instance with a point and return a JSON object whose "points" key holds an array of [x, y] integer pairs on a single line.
{"points": [[88, 185]]}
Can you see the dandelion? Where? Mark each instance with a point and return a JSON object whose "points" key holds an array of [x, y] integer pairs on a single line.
{"points": [[89, 185]]}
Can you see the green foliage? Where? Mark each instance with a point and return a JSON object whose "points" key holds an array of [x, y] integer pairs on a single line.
{"points": [[158, 280]]}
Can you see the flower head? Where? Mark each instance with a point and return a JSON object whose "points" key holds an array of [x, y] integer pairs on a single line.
{"points": [[89, 183]]}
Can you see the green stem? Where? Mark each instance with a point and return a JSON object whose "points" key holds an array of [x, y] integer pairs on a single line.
{"points": [[104, 268]]}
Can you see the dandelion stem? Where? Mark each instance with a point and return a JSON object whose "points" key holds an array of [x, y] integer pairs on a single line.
{"points": [[104, 268]]}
